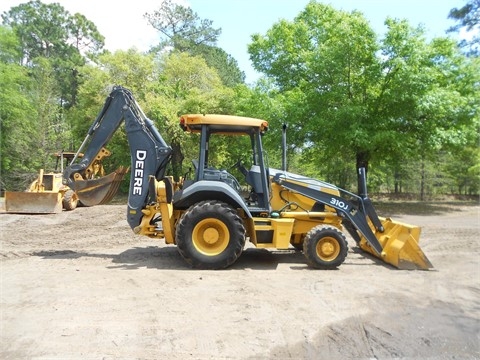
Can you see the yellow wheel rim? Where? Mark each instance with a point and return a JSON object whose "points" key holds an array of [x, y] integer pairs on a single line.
{"points": [[210, 237], [328, 248]]}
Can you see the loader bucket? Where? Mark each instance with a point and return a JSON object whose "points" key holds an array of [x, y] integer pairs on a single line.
{"points": [[99, 191], [33, 202], [400, 246]]}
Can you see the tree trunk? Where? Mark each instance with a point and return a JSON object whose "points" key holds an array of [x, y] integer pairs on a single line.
{"points": [[362, 160], [74, 87], [397, 181], [422, 182]]}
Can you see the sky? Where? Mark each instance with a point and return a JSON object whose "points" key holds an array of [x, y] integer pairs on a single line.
{"points": [[123, 24]]}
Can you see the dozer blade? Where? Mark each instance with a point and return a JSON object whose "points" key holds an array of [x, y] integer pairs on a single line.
{"points": [[33, 202], [400, 246], [99, 191]]}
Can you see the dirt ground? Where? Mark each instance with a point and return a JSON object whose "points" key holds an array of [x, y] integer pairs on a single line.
{"points": [[81, 285]]}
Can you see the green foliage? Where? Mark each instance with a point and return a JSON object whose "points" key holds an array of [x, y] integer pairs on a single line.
{"points": [[225, 65], [404, 106], [49, 31], [322, 63], [348, 94], [182, 30], [10, 49], [131, 69], [16, 115], [463, 168], [32, 123], [187, 85], [180, 27]]}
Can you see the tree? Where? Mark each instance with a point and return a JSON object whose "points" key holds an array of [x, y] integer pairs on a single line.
{"points": [[52, 132], [354, 95], [165, 88], [187, 85], [226, 66], [131, 69], [32, 125], [49, 31], [468, 18], [182, 30], [17, 114], [323, 61]]}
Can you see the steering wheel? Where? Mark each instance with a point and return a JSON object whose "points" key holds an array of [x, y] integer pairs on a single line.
{"points": [[240, 167]]}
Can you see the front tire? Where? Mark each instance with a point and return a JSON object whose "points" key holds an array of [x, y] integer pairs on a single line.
{"points": [[210, 235], [325, 247], [70, 200]]}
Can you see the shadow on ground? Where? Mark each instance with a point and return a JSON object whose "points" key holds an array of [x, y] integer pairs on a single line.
{"points": [[168, 258]]}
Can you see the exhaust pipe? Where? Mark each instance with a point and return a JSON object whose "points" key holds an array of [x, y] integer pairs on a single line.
{"points": [[362, 183]]}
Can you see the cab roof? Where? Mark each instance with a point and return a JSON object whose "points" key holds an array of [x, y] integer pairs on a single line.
{"points": [[226, 124]]}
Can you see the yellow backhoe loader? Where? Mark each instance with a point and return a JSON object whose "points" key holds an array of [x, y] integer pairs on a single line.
{"points": [[47, 194], [210, 216]]}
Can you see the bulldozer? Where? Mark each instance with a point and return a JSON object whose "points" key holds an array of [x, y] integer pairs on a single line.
{"points": [[48, 195], [209, 216]]}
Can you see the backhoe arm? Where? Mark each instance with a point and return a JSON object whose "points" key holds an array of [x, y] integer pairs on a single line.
{"points": [[149, 152]]}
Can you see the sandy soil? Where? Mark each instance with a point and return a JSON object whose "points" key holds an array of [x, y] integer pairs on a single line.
{"points": [[81, 285]]}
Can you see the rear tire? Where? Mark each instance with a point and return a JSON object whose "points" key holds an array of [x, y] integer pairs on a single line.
{"points": [[210, 235], [70, 200], [325, 247]]}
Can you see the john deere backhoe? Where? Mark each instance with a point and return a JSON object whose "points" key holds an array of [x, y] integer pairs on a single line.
{"points": [[210, 217]]}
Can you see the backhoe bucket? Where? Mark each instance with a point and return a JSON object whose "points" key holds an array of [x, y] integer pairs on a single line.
{"points": [[99, 191], [400, 246], [33, 202]]}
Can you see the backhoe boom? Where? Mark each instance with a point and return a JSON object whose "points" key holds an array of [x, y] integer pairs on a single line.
{"points": [[149, 151]]}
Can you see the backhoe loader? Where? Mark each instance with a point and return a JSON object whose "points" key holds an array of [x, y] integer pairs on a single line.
{"points": [[210, 216], [48, 195]]}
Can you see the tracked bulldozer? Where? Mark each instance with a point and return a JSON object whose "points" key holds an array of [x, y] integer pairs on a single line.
{"points": [[47, 194], [210, 215]]}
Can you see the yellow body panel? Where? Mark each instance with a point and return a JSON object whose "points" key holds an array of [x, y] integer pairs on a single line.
{"points": [[163, 208], [272, 233], [280, 197]]}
